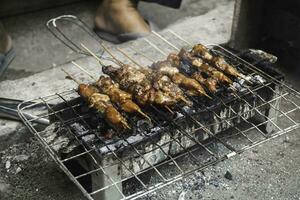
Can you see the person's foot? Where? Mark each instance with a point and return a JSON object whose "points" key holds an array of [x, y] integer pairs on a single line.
{"points": [[120, 16], [5, 43], [7, 53]]}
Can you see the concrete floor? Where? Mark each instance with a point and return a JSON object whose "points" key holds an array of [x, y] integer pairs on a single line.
{"points": [[37, 49]]}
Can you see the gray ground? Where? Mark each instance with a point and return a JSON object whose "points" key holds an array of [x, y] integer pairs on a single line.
{"points": [[261, 173], [270, 171]]}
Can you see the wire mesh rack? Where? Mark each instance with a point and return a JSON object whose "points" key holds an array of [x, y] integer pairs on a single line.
{"points": [[119, 167]]}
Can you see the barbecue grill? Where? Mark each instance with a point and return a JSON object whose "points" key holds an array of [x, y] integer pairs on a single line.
{"points": [[204, 134]]}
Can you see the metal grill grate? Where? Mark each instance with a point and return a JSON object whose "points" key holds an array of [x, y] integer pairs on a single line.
{"points": [[120, 167]]}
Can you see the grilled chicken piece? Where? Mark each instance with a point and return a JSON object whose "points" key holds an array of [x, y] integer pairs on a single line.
{"points": [[163, 83], [118, 96], [204, 67], [187, 56], [210, 83], [202, 52], [193, 87], [221, 64], [174, 59], [214, 73], [139, 83], [218, 61], [133, 81], [102, 104]]}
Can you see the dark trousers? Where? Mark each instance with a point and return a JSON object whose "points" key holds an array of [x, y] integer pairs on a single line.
{"points": [[169, 3]]}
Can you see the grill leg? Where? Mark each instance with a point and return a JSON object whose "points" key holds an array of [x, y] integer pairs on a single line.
{"points": [[98, 180], [273, 112], [270, 110]]}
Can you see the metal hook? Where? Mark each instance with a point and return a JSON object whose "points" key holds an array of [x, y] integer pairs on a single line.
{"points": [[54, 28]]}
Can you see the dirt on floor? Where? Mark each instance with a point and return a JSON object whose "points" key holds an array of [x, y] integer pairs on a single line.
{"points": [[27, 172]]}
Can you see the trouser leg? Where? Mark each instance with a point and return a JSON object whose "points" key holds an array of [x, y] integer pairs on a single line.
{"points": [[4, 39], [169, 3]]}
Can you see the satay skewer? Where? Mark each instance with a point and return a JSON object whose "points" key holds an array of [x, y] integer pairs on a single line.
{"points": [[120, 63], [190, 44], [100, 102], [182, 80], [130, 58], [152, 60], [110, 53], [133, 106]]}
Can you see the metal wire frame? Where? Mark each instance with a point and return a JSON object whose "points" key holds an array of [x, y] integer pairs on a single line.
{"points": [[174, 158], [255, 69], [195, 121], [54, 28], [231, 151], [237, 96]]}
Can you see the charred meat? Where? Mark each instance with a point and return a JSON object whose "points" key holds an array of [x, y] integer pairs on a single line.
{"points": [[118, 96], [102, 104], [140, 84], [192, 86], [204, 67], [210, 83], [218, 61]]}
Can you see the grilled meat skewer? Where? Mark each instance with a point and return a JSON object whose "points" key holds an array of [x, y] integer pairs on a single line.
{"points": [[118, 96], [163, 83], [210, 83], [102, 104], [219, 76], [133, 81], [218, 61], [204, 67], [139, 83], [166, 68], [160, 81]]}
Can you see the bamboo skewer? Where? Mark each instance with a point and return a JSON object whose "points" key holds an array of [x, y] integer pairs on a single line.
{"points": [[155, 47], [84, 70], [179, 37], [69, 76], [111, 54], [188, 103], [142, 54], [93, 54], [169, 109], [164, 39], [144, 114], [130, 58]]}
